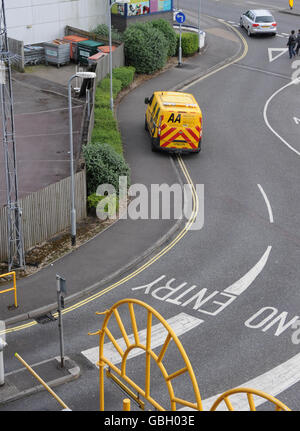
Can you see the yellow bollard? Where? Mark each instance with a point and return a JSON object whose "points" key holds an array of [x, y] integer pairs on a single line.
{"points": [[291, 3], [126, 405]]}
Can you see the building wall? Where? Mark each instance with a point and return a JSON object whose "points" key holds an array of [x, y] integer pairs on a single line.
{"points": [[35, 21]]}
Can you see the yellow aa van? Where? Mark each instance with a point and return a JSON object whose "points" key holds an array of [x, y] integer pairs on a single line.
{"points": [[174, 121]]}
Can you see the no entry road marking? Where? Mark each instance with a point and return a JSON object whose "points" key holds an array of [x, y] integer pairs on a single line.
{"points": [[180, 324]]}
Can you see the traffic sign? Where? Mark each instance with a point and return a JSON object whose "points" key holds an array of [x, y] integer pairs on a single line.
{"points": [[180, 17]]}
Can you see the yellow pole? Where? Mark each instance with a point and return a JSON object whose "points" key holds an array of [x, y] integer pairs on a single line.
{"points": [[126, 405], [59, 400], [15, 289], [291, 3]]}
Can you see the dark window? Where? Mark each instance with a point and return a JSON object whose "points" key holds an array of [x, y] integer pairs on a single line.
{"points": [[264, 19]]}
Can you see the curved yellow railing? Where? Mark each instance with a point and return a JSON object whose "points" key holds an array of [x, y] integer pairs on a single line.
{"points": [[171, 336], [279, 406]]}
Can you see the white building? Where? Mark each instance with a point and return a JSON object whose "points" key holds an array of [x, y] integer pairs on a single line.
{"points": [[34, 21]]}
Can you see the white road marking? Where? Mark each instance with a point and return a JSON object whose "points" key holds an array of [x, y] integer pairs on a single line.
{"points": [[280, 52], [267, 203], [285, 34], [243, 283], [273, 382], [295, 81], [180, 323]]}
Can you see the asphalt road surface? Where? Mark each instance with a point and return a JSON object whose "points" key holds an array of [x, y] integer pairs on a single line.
{"points": [[231, 288]]}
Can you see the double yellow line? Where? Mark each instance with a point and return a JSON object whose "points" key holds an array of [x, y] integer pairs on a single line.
{"points": [[181, 234]]}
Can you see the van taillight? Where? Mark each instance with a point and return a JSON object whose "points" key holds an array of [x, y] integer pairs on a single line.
{"points": [[159, 126], [255, 25]]}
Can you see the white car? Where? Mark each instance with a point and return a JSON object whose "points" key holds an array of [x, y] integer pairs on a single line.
{"points": [[258, 21]]}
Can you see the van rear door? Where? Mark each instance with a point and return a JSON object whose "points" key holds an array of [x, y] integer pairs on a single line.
{"points": [[180, 130]]}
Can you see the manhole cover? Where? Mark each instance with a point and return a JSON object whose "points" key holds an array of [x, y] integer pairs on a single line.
{"points": [[45, 318]]}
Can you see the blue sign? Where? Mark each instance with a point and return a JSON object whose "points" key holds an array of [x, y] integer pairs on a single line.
{"points": [[180, 17]]}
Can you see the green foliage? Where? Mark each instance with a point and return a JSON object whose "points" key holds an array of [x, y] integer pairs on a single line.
{"points": [[102, 31], [102, 98], [146, 48], [102, 135], [169, 34], [116, 86], [94, 199], [103, 166], [104, 118], [125, 75], [189, 43]]}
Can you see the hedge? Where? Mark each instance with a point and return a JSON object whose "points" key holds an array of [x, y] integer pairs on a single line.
{"points": [[189, 43], [145, 48], [169, 34], [104, 166], [125, 75]]}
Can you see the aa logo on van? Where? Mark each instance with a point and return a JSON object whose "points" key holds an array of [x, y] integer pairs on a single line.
{"points": [[172, 118]]}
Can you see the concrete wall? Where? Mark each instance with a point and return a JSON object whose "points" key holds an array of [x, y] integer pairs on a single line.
{"points": [[34, 21]]}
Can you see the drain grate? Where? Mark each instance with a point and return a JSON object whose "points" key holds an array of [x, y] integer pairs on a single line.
{"points": [[45, 318]]}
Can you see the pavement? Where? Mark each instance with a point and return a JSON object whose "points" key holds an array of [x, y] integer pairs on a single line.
{"points": [[294, 11], [92, 266]]}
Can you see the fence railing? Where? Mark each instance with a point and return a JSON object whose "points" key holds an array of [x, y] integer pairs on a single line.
{"points": [[46, 212], [14, 288]]}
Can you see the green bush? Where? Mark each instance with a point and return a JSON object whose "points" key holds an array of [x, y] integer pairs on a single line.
{"points": [[102, 31], [124, 74], [116, 86], [189, 43], [94, 199], [103, 166], [145, 48], [169, 34], [102, 98], [104, 117], [112, 137]]}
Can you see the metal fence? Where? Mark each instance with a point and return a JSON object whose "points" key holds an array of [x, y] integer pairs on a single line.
{"points": [[46, 212]]}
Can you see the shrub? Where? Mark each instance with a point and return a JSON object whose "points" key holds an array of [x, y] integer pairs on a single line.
{"points": [[189, 43], [145, 47], [103, 166], [102, 98], [116, 86], [104, 117], [107, 136], [125, 75], [169, 34], [102, 31], [94, 199]]}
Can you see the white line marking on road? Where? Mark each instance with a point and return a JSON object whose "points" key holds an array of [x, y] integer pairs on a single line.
{"points": [[266, 118], [273, 382], [280, 52], [285, 34], [243, 283], [231, 22], [267, 203], [279, 35], [180, 323]]}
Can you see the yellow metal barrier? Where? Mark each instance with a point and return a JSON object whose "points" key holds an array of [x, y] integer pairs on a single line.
{"points": [[136, 344], [59, 400], [250, 392], [14, 288], [126, 405]]}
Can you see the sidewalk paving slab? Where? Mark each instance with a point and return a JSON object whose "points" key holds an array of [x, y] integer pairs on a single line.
{"points": [[21, 383]]}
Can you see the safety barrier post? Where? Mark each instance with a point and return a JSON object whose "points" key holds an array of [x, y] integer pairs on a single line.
{"points": [[126, 405], [14, 288], [59, 400]]}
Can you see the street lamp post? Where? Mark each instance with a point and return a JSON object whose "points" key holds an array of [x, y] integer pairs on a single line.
{"points": [[111, 4], [199, 22], [87, 75]]}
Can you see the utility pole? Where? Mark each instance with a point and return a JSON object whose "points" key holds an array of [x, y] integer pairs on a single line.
{"points": [[15, 244]]}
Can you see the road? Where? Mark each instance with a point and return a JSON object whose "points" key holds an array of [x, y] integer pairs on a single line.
{"points": [[237, 278]]}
